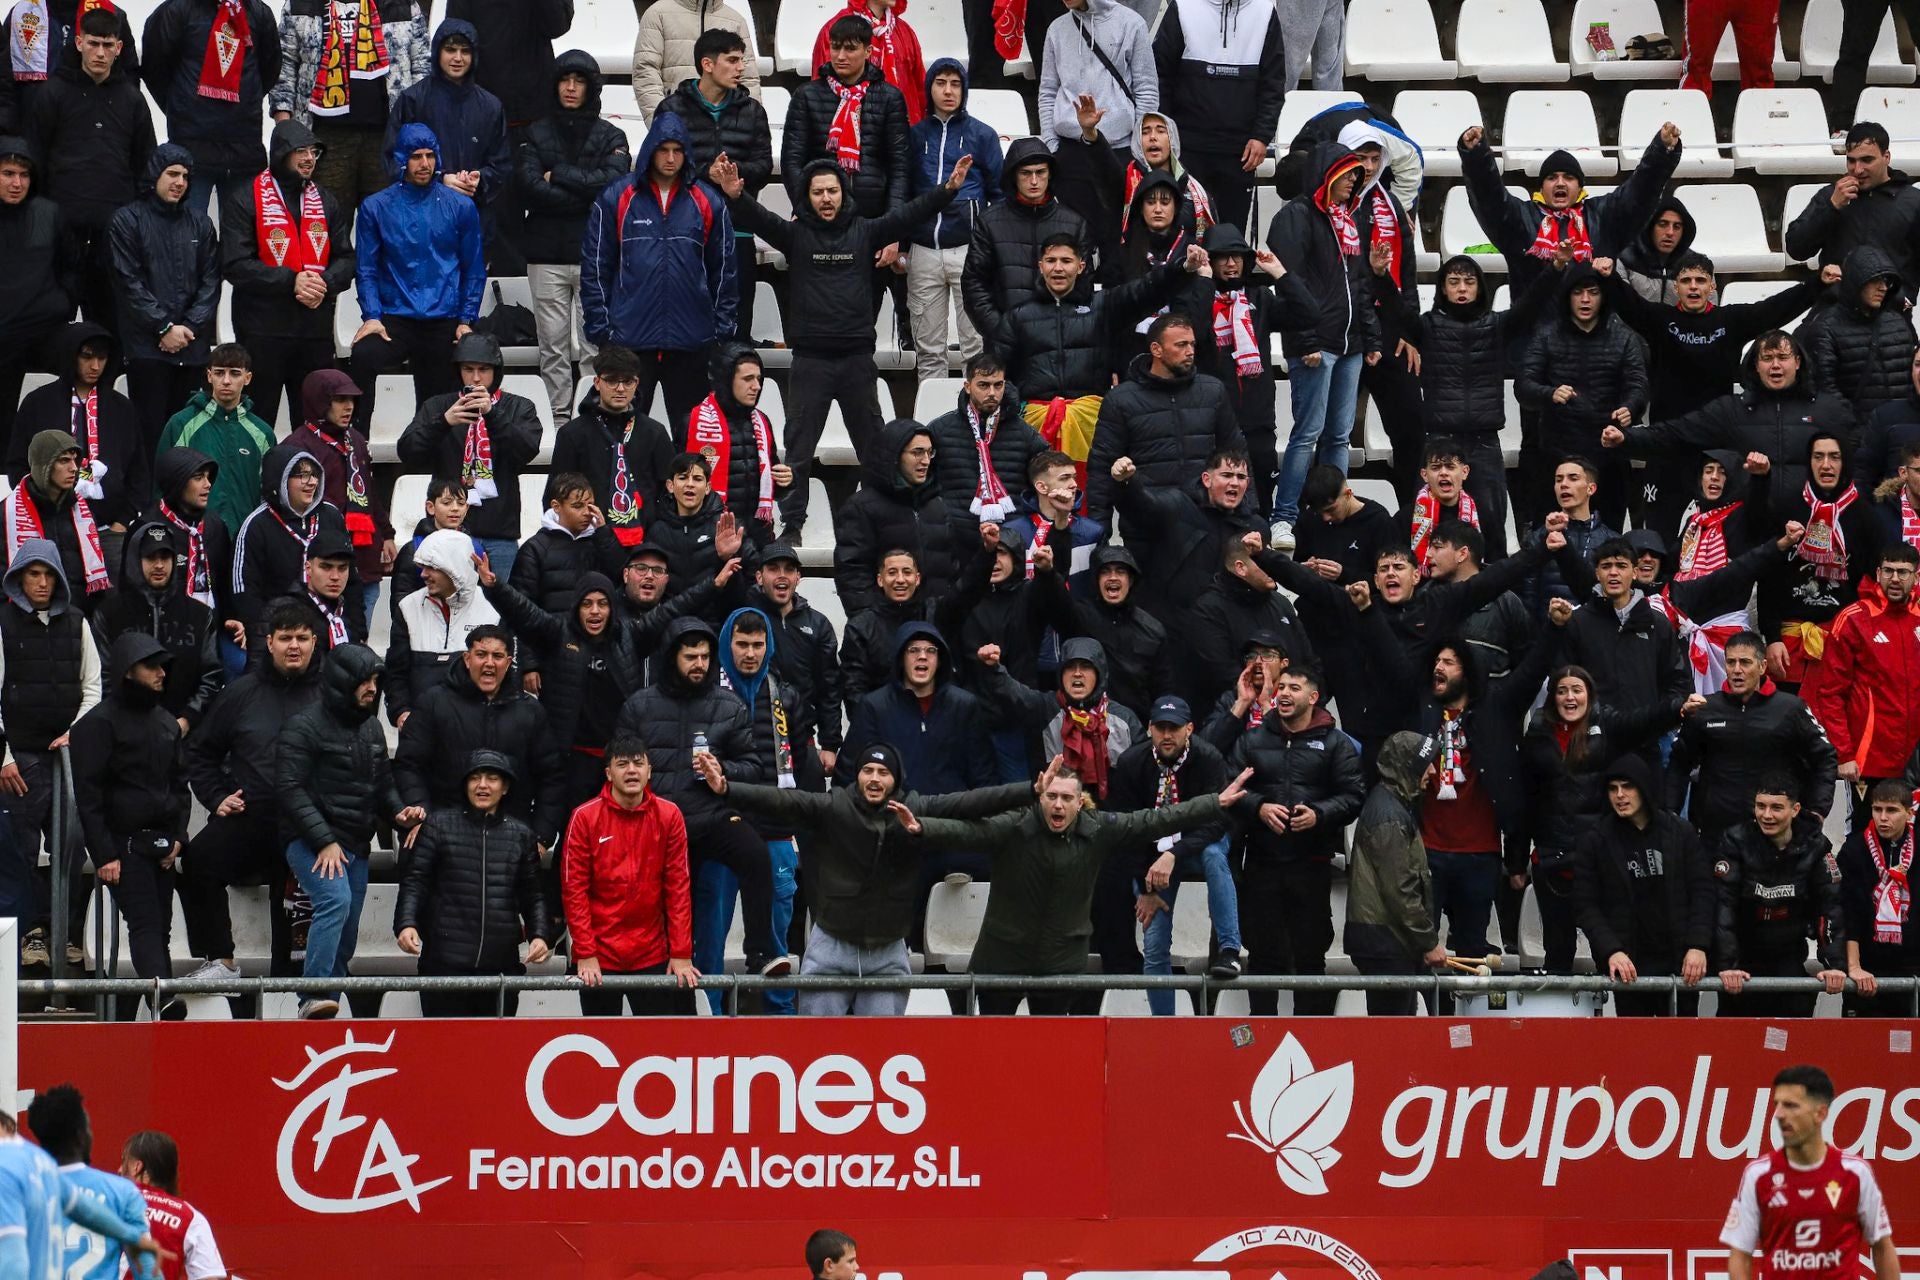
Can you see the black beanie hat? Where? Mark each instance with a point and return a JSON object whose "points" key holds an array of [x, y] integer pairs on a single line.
{"points": [[1563, 162], [887, 757]]}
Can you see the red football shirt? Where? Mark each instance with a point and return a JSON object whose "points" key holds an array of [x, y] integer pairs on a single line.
{"points": [[1806, 1224], [182, 1232]]}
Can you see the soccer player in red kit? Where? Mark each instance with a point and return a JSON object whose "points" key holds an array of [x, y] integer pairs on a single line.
{"points": [[1806, 1211], [152, 1161]]}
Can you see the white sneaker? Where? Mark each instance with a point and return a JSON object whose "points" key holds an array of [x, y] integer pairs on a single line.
{"points": [[319, 1009], [1281, 538], [956, 880], [777, 967], [214, 971]]}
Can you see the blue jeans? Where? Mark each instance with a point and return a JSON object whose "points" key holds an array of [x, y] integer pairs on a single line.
{"points": [[335, 930], [1010, 754], [369, 601], [1464, 885], [714, 892], [501, 553], [1223, 905], [203, 184], [1324, 401]]}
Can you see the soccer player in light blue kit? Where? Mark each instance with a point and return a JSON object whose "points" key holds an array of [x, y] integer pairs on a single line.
{"points": [[58, 1118], [35, 1206]]}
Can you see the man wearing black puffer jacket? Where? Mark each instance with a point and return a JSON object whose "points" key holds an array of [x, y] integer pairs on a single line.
{"points": [[132, 795], [830, 246], [1861, 346], [336, 787], [1007, 237], [1164, 420], [806, 654], [470, 891], [1307, 785], [687, 712], [212, 107], [879, 181], [1242, 602], [983, 434], [1779, 885], [150, 601], [898, 507], [478, 707], [285, 290]]}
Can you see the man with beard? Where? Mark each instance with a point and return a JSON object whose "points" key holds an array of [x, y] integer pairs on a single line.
{"points": [[622, 452], [1139, 651], [1164, 418]]}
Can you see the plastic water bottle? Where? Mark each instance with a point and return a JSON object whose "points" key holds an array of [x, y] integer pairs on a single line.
{"points": [[699, 745]]}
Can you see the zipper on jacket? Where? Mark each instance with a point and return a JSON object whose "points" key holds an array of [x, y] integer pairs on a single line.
{"points": [[940, 159], [480, 947]]}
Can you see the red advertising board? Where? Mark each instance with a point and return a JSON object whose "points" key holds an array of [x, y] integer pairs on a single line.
{"points": [[1019, 1149]]}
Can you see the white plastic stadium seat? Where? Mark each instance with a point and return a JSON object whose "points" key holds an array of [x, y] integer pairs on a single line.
{"points": [[533, 505], [1758, 291], [1395, 40], [1435, 119], [886, 336], [1726, 59], [1645, 110], [836, 443], [346, 321], [1625, 19], [774, 199], [942, 31], [1380, 491], [1542, 121], [768, 327], [1002, 110], [1732, 231], [1820, 46], [936, 396], [761, 59], [409, 503], [795, 27], [1459, 229], [391, 413], [1799, 195], [1783, 131], [776, 100], [1895, 110], [816, 536], [954, 913], [1303, 105], [607, 29], [1504, 41]]}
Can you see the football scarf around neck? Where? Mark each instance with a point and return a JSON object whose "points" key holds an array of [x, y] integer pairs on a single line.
{"points": [[199, 572], [353, 46], [1453, 773], [358, 507], [1909, 520], [86, 429], [623, 512], [24, 521], [1426, 518], [709, 435], [227, 42], [1569, 225], [476, 460], [843, 135], [1386, 230], [1083, 741], [1168, 793], [1703, 545], [1893, 896], [305, 246], [1825, 546], [1233, 332], [336, 619], [990, 500]]}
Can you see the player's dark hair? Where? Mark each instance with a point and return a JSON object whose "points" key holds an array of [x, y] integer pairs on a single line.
{"points": [[1305, 671], [1584, 463], [228, 355], [1692, 260], [750, 623], [1394, 551], [616, 362], [715, 42], [288, 614], [1890, 791], [1325, 482], [1817, 1083], [985, 362], [567, 484], [1868, 131], [626, 746], [850, 30], [1615, 549], [1157, 331], [108, 24], [489, 631], [1747, 640], [1232, 453], [1443, 449], [824, 1246], [1046, 460], [685, 463], [441, 486], [1777, 784], [1062, 240], [58, 1118], [157, 1152], [1462, 536], [1899, 553]]}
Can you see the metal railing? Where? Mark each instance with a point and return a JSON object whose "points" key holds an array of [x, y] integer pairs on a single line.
{"points": [[971, 985]]}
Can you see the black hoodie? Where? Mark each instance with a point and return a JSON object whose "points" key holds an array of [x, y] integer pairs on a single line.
{"points": [[668, 715], [564, 161], [175, 620], [433, 445], [1646, 891], [1606, 366], [41, 280], [830, 264], [171, 471], [1794, 589], [944, 743], [336, 783], [166, 267], [528, 28], [889, 513], [127, 774], [50, 408], [1280, 306], [93, 140], [263, 301], [1859, 354], [1005, 250], [1303, 237], [742, 481], [1647, 271], [1695, 356], [1065, 347], [270, 551]]}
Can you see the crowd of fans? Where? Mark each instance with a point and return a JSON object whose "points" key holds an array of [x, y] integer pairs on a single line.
{"points": [[1101, 566]]}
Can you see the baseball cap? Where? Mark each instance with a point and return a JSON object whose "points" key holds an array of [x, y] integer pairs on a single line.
{"points": [[1171, 709], [330, 544], [778, 551], [154, 540]]}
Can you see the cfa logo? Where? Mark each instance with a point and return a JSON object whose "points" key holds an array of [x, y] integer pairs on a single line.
{"points": [[1294, 1113], [381, 1158]]}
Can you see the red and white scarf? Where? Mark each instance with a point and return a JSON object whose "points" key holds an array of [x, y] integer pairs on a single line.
{"points": [[1825, 546], [1083, 741], [1893, 896], [843, 135], [1190, 190], [1233, 331], [305, 247], [1386, 230], [227, 40], [709, 436], [1453, 771], [1568, 224], [623, 511], [886, 53], [24, 522], [1706, 641], [1703, 544], [990, 500], [358, 504], [199, 572], [1426, 517], [1909, 519], [336, 618], [86, 429], [1346, 231], [353, 46], [476, 460]]}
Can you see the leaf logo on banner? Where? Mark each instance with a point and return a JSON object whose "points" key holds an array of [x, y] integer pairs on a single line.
{"points": [[1294, 1114]]}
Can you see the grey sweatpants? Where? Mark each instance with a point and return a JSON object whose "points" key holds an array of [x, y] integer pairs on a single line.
{"points": [[827, 954], [1317, 28]]}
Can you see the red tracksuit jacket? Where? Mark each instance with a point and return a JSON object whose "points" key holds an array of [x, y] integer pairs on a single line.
{"points": [[629, 899]]}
